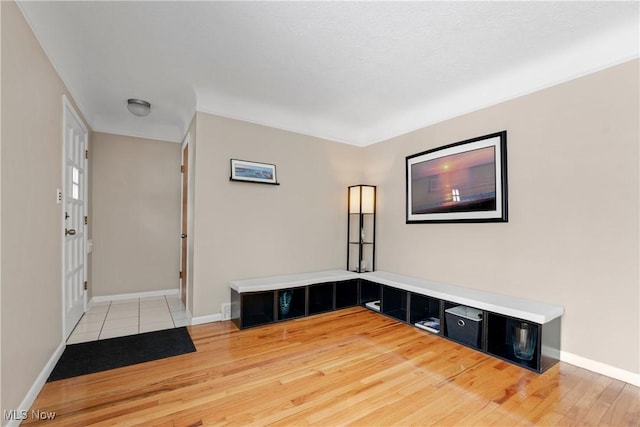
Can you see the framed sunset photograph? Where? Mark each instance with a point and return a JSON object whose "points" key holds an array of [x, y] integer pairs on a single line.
{"points": [[461, 182]]}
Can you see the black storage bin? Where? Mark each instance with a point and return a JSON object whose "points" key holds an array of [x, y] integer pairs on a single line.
{"points": [[464, 325]]}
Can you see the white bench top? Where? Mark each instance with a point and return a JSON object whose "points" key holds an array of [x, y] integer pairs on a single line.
{"points": [[533, 311], [272, 283]]}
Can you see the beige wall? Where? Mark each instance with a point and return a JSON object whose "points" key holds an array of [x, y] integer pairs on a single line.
{"points": [[245, 230], [136, 214], [31, 155], [572, 237]]}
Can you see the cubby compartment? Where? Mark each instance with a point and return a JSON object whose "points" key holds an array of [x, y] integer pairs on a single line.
{"points": [[528, 344], [320, 298], [424, 313], [346, 294], [257, 309], [369, 293], [291, 303], [394, 303], [515, 340], [464, 325]]}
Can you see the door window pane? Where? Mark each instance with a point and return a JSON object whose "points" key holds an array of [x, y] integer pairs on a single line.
{"points": [[75, 183]]}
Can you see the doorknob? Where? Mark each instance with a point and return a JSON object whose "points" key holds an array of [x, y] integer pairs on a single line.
{"points": [[69, 232], [184, 236]]}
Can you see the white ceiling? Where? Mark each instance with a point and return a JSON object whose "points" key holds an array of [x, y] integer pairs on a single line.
{"points": [[354, 72]]}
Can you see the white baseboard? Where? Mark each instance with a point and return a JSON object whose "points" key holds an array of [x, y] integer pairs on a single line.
{"points": [[40, 381], [206, 319], [134, 295], [600, 368]]}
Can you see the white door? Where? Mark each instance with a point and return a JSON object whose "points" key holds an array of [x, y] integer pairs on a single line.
{"points": [[74, 197]]}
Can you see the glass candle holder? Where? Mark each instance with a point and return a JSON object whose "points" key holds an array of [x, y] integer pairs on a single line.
{"points": [[285, 302], [524, 337]]}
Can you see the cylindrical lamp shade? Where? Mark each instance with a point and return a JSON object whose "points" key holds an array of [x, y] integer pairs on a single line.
{"points": [[354, 199], [362, 199]]}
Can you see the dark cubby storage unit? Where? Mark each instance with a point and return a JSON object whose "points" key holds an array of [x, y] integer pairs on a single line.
{"points": [[249, 309], [346, 294], [255, 308], [524, 343], [530, 345], [425, 313], [296, 305], [320, 298], [394, 303]]}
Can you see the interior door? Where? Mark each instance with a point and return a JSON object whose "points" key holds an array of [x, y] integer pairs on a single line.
{"points": [[74, 196], [185, 191]]}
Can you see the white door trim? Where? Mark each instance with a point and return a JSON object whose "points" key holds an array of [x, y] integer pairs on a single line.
{"points": [[186, 142], [67, 107]]}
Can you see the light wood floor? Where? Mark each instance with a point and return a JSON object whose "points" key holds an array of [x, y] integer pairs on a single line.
{"points": [[346, 367]]}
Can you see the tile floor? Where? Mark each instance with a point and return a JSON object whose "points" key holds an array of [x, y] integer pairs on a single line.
{"points": [[111, 319]]}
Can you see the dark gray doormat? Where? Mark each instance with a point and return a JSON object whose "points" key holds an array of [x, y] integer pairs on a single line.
{"points": [[97, 356]]}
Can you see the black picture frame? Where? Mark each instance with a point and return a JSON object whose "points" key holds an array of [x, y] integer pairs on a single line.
{"points": [[247, 171], [461, 182]]}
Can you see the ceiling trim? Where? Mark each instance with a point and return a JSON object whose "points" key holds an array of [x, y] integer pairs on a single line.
{"points": [[590, 55], [135, 135]]}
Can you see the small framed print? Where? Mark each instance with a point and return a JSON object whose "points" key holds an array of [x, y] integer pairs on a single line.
{"points": [[262, 173]]}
